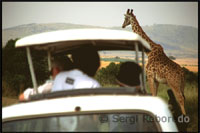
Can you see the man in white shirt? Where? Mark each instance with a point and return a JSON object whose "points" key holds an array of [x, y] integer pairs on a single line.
{"points": [[86, 62], [59, 64], [73, 79]]}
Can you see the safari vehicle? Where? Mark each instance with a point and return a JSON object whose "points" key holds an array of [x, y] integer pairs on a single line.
{"points": [[100, 109]]}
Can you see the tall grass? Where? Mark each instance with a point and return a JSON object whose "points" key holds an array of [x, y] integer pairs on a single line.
{"points": [[191, 106], [191, 102]]}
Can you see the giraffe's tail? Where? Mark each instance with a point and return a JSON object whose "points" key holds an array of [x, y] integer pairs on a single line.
{"points": [[183, 85], [183, 96]]}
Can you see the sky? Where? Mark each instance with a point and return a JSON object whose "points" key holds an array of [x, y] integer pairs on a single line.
{"points": [[105, 14]]}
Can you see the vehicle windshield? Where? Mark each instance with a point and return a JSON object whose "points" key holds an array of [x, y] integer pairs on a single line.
{"points": [[137, 122]]}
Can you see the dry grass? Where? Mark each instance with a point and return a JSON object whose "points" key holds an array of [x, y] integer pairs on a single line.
{"points": [[105, 64], [192, 68], [8, 101], [189, 63]]}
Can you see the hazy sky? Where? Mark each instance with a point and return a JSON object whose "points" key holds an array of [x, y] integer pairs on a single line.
{"points": [[99, 13]]}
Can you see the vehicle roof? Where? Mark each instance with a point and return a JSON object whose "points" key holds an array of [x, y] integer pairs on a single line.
{"points": [[103, 39], [90, 104]]}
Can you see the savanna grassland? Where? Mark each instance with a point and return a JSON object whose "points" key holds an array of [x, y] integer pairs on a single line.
{"points": [[179, 41]]}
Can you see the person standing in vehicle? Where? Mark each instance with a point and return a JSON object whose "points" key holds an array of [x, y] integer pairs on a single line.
{"points": [[86, 62], [130, 75], [59, 64]]}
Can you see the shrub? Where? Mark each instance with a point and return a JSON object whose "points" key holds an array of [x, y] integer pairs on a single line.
{"points": [[172, 57], [190, 77], [107, 76], [15, 68]]}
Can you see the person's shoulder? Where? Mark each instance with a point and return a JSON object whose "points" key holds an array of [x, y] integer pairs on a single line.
{"points": [[86, 78], [86, 82], [61, 74]]}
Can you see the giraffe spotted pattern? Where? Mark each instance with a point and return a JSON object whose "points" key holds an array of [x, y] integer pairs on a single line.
{"points": [[159, 69]]}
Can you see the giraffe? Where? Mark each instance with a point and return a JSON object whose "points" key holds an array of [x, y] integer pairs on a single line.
{"points": [[159, 68]]}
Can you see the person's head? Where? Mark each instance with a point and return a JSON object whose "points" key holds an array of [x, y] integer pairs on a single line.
{"points": [[129, 74], [60, 63], [87, 60]]}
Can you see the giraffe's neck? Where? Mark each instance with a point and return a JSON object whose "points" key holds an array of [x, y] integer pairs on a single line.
{"points": [[138, 29]]}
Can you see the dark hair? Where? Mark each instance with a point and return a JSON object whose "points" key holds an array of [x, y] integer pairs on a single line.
{"points": [[129, 74], [86, 59], [62, 62]]}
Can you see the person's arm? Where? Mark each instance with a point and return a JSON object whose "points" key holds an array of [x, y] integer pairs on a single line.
{"points": [[45, 88], [96, 84], [26, 94]]}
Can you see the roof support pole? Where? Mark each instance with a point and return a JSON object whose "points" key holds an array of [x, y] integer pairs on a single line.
{"points": [[136, 53], [31, 69], [49, 61], [143, 70]]}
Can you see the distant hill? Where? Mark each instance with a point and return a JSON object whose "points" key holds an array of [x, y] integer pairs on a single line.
{"points": [[178, 41], [33, 28]]}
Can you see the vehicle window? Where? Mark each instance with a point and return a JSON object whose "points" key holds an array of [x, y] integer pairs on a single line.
{"points": [[93, 122]]}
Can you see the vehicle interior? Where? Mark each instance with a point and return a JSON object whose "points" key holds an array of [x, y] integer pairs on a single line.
{"points": [[136, 45]]}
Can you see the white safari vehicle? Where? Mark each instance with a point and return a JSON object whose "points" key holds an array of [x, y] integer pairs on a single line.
{"points": [[100, 109]]}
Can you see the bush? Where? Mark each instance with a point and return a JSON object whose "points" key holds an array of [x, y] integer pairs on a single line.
{"points": [[107, 76], [172, 57], [190, 77], [15, 68]]}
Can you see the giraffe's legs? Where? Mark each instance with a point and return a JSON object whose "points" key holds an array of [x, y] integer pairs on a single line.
{"points": [[180, 98], [178, 90], [156, 84], [153, 85]]}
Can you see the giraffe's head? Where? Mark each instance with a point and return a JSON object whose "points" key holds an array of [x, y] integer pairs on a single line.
{"points": [[129, 18]]}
